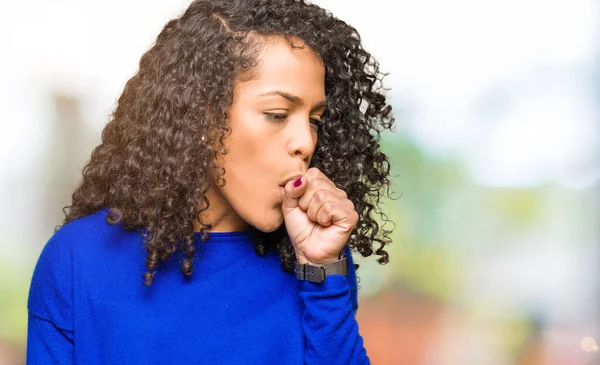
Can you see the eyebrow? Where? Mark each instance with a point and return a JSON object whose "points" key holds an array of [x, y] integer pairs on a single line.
{"points": [[293, 98]]}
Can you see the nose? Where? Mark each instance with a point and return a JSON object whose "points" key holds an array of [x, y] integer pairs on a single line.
{"points": [[302, 138]]}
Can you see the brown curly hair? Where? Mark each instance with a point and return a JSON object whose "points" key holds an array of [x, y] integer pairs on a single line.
{"points": [[152, 168]]}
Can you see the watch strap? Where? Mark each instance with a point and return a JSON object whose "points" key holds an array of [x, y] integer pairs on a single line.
{"points": [[318, 273]]}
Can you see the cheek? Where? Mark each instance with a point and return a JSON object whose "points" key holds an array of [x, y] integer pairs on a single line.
{"points": [[260, 210], [252, 187], [252, 172]]}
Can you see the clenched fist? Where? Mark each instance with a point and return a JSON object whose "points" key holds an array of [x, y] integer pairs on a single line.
{"points": [[318, 217]]}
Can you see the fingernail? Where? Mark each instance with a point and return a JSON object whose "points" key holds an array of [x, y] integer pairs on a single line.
{"points": [[298, 182]]}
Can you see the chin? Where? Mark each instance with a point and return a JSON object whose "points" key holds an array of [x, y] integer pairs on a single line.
{"points": [[267, 228], [268, 224]]}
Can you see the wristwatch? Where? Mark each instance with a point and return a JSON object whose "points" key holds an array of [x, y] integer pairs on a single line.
{"points": [[318, 273]]}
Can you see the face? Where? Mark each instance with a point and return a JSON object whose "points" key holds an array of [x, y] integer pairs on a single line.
{"points": [[273, 121]]}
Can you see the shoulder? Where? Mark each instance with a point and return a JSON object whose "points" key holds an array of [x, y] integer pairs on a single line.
{"points": [[82, 236], [91, 227], [60, 245], [51, 290], [84, 241]]}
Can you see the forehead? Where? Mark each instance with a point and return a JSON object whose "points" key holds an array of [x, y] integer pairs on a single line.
{"points": [[287, 65]]}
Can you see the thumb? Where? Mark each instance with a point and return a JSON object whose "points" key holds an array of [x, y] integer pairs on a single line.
{"points": [[293, 190]]}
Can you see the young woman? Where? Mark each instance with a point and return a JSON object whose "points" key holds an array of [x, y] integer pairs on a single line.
{"points": [[242, 163]]}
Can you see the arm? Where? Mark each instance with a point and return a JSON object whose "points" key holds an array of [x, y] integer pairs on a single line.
{"points": [[330, 329], [319, 219], [50, 335]]}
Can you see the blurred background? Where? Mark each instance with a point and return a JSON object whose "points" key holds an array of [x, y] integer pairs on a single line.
{"points": [[496, 157]]}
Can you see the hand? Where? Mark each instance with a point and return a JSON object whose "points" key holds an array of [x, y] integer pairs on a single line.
{"points": [[318, 217]]}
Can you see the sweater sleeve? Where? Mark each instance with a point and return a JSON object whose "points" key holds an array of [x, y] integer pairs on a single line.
{"points": [[50, 336], [330, 328], [47, 343]]}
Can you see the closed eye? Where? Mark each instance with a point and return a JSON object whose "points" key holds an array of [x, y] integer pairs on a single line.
{"points": [[316, 122], [276, 117], [281, 117]]}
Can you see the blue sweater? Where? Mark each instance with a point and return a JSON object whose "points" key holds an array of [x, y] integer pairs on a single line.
{"points": [[87, 305]]}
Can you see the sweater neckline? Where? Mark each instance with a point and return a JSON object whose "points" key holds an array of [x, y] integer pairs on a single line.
{"points": [[235, 236]]}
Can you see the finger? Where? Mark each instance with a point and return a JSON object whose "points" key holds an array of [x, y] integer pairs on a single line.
{"points": [[319, 199], [315, 173], [330, 213], [293, 190], [315, 185]]}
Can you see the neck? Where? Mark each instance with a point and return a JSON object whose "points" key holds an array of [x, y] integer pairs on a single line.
{"points": [[220, 215]]}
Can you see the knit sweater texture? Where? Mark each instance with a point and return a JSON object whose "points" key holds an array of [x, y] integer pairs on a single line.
{"points": [[87, 305]]}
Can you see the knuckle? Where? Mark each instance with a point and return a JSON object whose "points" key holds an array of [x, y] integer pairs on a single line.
{"points": [[315, 183], [351, 205], [313, 172], [320, 195], [328, 206]]}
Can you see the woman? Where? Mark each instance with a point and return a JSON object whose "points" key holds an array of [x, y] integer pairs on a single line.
{"points": [[242, 162]]}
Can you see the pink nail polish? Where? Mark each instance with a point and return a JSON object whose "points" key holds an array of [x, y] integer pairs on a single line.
{"points": [[298, 182]]}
